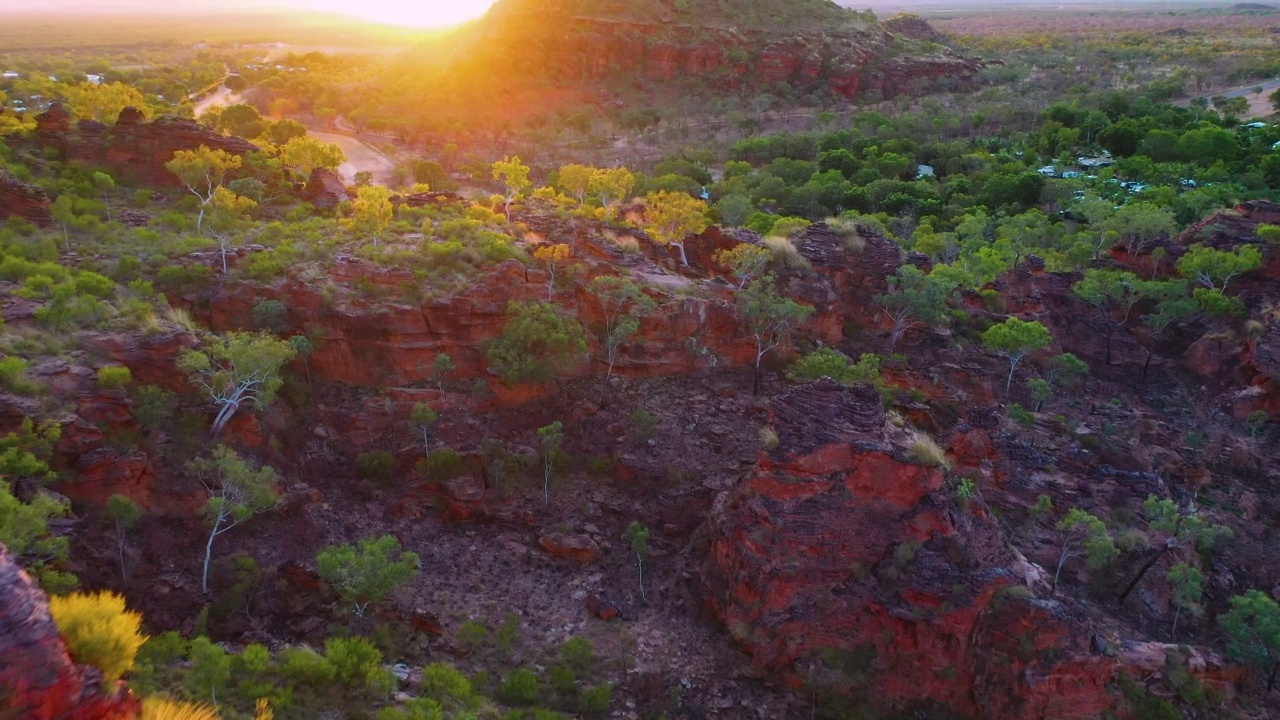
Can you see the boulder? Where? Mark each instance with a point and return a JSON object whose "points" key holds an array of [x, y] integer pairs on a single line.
{"points": [[325, 189], [578, 548], [18, 199]]}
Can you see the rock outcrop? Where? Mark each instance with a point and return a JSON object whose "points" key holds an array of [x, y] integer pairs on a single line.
{"points": [[38, 680], [731, 47], [133, 149], [18, 199], [849, 568], [325, 189]]}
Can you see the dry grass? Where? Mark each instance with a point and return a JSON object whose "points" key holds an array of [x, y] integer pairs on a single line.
{"points": [[768, 438], [848, 231], [785, 253], [924, 450]]}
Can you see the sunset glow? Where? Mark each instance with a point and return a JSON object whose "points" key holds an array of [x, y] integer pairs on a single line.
{"points": [[419, 13]]}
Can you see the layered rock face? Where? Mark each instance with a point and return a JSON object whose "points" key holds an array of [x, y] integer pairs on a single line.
{"points": [[847, 567], [132, 149], [18, 199], [38, 680], [591, 42]]}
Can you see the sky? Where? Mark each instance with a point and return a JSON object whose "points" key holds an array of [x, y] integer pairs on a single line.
{"points": [[416, 13]]}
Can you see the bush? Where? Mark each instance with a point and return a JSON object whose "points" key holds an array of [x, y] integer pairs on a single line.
{"points": [[535, 343], [445, 684], [441, 464], [303, 666], [13, 375], [1020, 415], [595, 701], [519, 687], [114, 377], [99, 631], [413, 709], [923, 450], [160, 708], [356, 662], [376, 465], [825, 362]]}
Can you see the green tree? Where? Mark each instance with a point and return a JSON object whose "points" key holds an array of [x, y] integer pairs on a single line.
{"points": [[1215, 268], [227, 215], [1015, 339], [371, 211], [637, 535], [1082, 533], [734, 209], [24, 526], [535, 343], [63, 211], [307, 154], [552, 437], [440, 369], [514, 176], [576, 181], [1179, 528], [237, 491], [770, 319], [623, 303], [365, 574], [1253, 633], [123, 513], [914, 298], [1115, 292], [1138, 224], [1067, 370], [1041, 391], [424, 419], [671, 217], [210, 667], [203, 171], [611, 185], [236, 369], [104, 183], [1187, 583], [748, 261]]}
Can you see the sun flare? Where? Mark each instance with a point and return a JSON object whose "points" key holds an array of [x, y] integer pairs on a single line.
{"points": [[411, 13]]}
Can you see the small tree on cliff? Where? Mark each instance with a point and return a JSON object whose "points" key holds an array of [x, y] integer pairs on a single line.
{"points": [[235, 369], [1015, 339], [637, 535], [440, 369], [1082, 533], [514, 176], [535, 343], [237, 491], [124, 513], [307, 153], [576, 180], [551, 256], [371, 211], [365, 574], [424, 419], [914, 298], [1180, 528], [748, 261], [1253, 633], [1214, 269], [611, 185], [203, 171], [1187, 585], [227, 215], [624, 303], [1114, 292], [770, 319], [552, 438], [671, 217]]}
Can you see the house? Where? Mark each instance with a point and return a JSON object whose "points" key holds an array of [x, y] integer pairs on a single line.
{"points": [[1255, 125], [95, 79], [1096, 162], [10, 75], [1071, 174], [1048, 171], [924, 171]]}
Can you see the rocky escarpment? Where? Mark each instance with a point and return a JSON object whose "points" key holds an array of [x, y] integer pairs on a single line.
{"points": [[717, 44], [133, 149], [18, 199], [853, 570], [38, 680]]}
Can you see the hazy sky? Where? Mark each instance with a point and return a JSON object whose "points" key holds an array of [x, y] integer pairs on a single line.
{"points": [[400, 12]]}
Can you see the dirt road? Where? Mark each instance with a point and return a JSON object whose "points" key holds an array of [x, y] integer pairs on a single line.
{"points": [[360, 156]]}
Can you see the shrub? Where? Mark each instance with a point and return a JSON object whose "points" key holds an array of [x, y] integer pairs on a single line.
{"points": [[13, 375], [1021, 415], [595, 701], [535, 343], [441, 464], [160, 708], [472, 634], [826, 362], [768, 438], [356, 662], [445, 684], [924, 450], [519, 687], [306, 667], [255, 658], [114, 377], [579, 653], [413, 709], [99, 631], [376, 465], [785, 254]]}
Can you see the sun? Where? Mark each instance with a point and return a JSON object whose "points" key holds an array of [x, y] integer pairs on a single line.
{"points": [[411, 13]]}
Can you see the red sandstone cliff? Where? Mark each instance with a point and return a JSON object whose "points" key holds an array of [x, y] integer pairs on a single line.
{"points": [[18, 199], [38, 681], [133, 149]]}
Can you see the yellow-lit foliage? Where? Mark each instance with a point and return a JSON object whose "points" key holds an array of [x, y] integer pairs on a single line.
{"points": [[99, 631], [551, 254], [264, 711], [160, 708]]}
